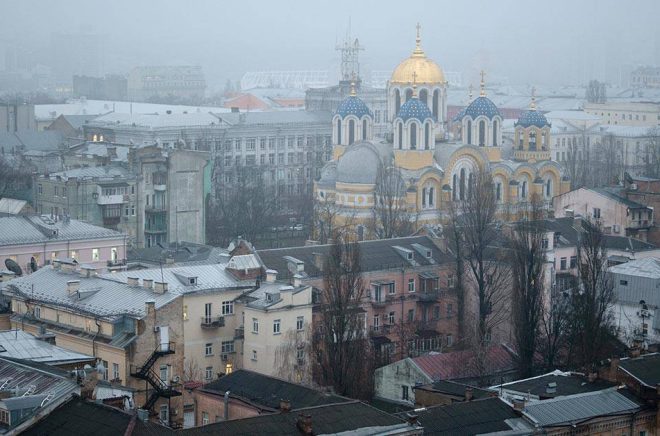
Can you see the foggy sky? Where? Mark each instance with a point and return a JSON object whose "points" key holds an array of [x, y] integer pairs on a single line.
{"points": [[549, 42]]}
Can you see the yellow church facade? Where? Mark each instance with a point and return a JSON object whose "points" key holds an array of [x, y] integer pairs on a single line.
{"points": [[416, 169]]}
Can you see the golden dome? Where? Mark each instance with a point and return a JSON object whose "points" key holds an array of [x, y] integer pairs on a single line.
{"points": [[425, 70]]}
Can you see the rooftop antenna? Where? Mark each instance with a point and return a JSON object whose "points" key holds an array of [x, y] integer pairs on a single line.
{"points": [[350, 50]]}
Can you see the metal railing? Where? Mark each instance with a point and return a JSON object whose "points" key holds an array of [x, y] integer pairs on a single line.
{"points": [[213, 321]]}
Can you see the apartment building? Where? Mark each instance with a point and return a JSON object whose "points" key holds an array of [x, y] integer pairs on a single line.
{"points": [[149, 82], [645, 114]]}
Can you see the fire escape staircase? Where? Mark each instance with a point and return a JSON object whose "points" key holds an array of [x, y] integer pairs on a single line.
{"points": [[146, 372]]}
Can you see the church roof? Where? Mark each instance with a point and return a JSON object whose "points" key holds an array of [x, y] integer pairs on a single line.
{"points": [[532, 118], [360, 164], [353, 105], [482, 106], [414, 108]]}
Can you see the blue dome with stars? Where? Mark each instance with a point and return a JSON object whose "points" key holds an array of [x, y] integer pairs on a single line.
{"points": [[482, 106], [414, 108], [353, 106], [532, 118]]}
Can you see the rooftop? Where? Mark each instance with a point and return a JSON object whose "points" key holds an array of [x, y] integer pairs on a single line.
{"points": [[19, 344], [179, 253], [612, 194], [11, 206], [645, 368], [326, 419], [375, 255], [648, 267], [18, 230], [455, 389], [265, 391], [102, 173], [461, 364], [555, 384], [466, 418], [578, 408]]}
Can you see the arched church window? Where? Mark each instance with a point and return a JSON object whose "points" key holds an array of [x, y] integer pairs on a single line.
{"points": [[548, 188], [532, 140], [423, 197], [498, 191], [436, 103], [431, 195], [521, 139], [397, 100], [424, 96], [462, 186], [523, 189], [454, 192], [400, 128], [351, 132], [469, 132], [427, 136], [408, 94], [413, 136], [470, 183], [364, 130], [482, 133], [339, 141], [495, 133]]}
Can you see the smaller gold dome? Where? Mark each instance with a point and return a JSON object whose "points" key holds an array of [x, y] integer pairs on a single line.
{"points": [[417, 68]]}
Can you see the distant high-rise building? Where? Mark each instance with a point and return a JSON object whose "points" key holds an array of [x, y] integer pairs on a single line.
{"points": [[17, 117]]}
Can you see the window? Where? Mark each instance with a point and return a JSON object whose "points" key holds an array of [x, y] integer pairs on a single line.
{"points": [[105, 369], [208, 349], [4, 417], [573, 262], [391, 289], [562, 263], [390, 318], [250, 144], [300, 323], [411, 285], [404, 392], [300, 356], [450, 310], [205, 417], [37, 312], [208, 313], [451, 281], [227, 347], [115, 371], [185, 312], [450, 340], [596, 212], [623, 282], [545, 243], [255, 325], [376, 322], [208, 375], [254, 355], [40, 188], [163, 414], [227, 307], [436, 312], [276, 327], [95, 254], [229, 368], [411, 315], [74, 254]]}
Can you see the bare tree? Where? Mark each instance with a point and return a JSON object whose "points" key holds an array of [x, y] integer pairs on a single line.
{"points": [[391, 217], [329, 220], [342, 348], [527, 261], [554, 329], [607, 162], [454, 237], [591, 322], [651, 156], [15, 181], [486, 264], [292, 356], [191, 370]]}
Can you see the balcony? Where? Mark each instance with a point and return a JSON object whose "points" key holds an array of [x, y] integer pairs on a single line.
{"points": [[160, 187], [111, 221], [381, 330], [378, 301], [159, 208], [103, 200], [212, 322], [239, 333], [639, 224], [428, 296]]}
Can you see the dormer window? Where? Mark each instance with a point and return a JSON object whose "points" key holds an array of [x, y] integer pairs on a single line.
{"points": [[192, 281], [410, 255], [269, 298], [4, 417], [428, 254]]}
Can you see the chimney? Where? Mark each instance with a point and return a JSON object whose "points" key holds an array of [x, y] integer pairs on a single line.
{"points": [[411, 419], [271, 276], [160, 287], [297, 280], [72, 286], [68, 267], [551, 388], [318, 261], [169, 260], [285, 406], [57, 265], [148, 283], [304, 424], [132, 281], [518, 405], [149, 307], [469, 394]]}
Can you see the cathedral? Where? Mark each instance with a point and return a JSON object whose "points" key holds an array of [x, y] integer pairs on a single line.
{"points": [[425, 171]]}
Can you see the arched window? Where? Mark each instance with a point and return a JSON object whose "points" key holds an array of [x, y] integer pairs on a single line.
{"points": [[397, 100], [351, 132], [469, 132], [423, 197], [498, 191], [339, 141], [454, 194], [413, 136], [364, 130], [548, 188], [521, 139], [400, 135], [424, 96], [431, 195], [523, 189], [427, 136], [436, 103], [408, 94], [462, 187], [494, 133], [470, 183], [532, 140], [482, 133]]}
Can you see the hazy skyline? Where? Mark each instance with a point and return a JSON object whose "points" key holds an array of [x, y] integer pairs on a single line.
{"points": [[557, 42]]}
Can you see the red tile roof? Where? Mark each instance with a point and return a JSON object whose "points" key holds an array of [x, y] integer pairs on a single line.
{"points": [[463, 364]]}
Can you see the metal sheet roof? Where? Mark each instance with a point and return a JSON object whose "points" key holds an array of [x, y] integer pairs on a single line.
{"points": [[11, 205], [15, 230], [19, 344]]}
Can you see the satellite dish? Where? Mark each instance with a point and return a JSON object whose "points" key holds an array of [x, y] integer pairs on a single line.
{"points": [[13, 267]]}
